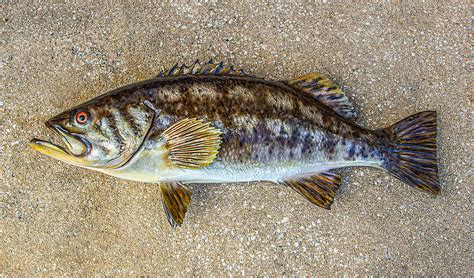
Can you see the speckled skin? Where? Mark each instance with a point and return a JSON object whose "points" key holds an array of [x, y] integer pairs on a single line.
{"points": [[270, 130]]}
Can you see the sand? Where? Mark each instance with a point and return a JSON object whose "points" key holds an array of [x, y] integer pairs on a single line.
{"points": [[394, 60]]}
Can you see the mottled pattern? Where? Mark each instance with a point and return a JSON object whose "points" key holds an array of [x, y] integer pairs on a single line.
{"points": [[261, 121]]}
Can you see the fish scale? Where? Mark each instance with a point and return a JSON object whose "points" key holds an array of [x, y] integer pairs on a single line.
{"points": [[208, 123], [254, 117]]}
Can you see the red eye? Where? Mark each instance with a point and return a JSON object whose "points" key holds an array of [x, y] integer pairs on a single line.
{"points": [[82, 117]]}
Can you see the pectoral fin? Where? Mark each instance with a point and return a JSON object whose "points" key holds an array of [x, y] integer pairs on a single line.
{"points": [[191, 143], [320, 189], [176, 199]]}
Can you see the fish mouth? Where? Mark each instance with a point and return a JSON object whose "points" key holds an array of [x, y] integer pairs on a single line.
{"points": [[75, 145]]}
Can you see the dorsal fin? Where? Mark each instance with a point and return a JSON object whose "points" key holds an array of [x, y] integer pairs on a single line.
{"points": [[326, 92], [198, 68]]}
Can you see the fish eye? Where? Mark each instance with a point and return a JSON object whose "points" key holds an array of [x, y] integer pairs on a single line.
{"points": [[82, 117]]}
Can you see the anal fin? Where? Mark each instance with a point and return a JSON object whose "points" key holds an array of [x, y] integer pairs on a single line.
{"points": [[320, 189], [176, 199]]}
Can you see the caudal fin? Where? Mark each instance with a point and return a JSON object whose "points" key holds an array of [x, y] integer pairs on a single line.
{"points": [[411, 152]]}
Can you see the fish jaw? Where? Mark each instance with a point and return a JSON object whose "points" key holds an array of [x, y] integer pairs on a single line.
{"points": [[52, 150], [74, 153]]}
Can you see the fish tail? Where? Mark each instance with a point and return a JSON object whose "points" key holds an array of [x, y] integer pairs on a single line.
{"points": [[410, 154]]}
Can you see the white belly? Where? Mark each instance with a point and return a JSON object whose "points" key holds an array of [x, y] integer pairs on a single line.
{"points": [[145, 170]]}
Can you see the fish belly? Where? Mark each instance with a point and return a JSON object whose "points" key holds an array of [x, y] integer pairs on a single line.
{"points": [[266, 160], [354, 154]]}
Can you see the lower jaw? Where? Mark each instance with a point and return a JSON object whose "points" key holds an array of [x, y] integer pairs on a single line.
{"points": [[55, 151]]}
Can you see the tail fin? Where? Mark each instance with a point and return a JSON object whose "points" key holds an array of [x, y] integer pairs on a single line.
{"points": [[411, 152]]}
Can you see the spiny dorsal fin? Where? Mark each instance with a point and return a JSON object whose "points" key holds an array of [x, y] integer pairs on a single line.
{"points": [[192, 143], [320, 189], [198, 68], [326, 92], [176, 199]]}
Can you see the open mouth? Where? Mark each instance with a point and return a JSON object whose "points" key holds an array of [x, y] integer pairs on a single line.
{"points": [[75, 145]]}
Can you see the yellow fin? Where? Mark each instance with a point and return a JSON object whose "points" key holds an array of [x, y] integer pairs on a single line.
{"points": [[176, 199], [320, 189], [326, 92], [192, 143]]}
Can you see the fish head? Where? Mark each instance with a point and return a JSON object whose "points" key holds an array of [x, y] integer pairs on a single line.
{"points": [[97, 134]]}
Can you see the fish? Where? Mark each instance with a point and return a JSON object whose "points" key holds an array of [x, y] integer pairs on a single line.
{"points": [[212, 123]]}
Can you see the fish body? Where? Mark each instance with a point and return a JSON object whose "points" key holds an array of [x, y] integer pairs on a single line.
{"points": [[203, 124], [270, 130]]}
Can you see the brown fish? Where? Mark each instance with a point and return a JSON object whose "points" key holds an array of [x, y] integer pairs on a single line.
{"points": [[212, 124]]}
